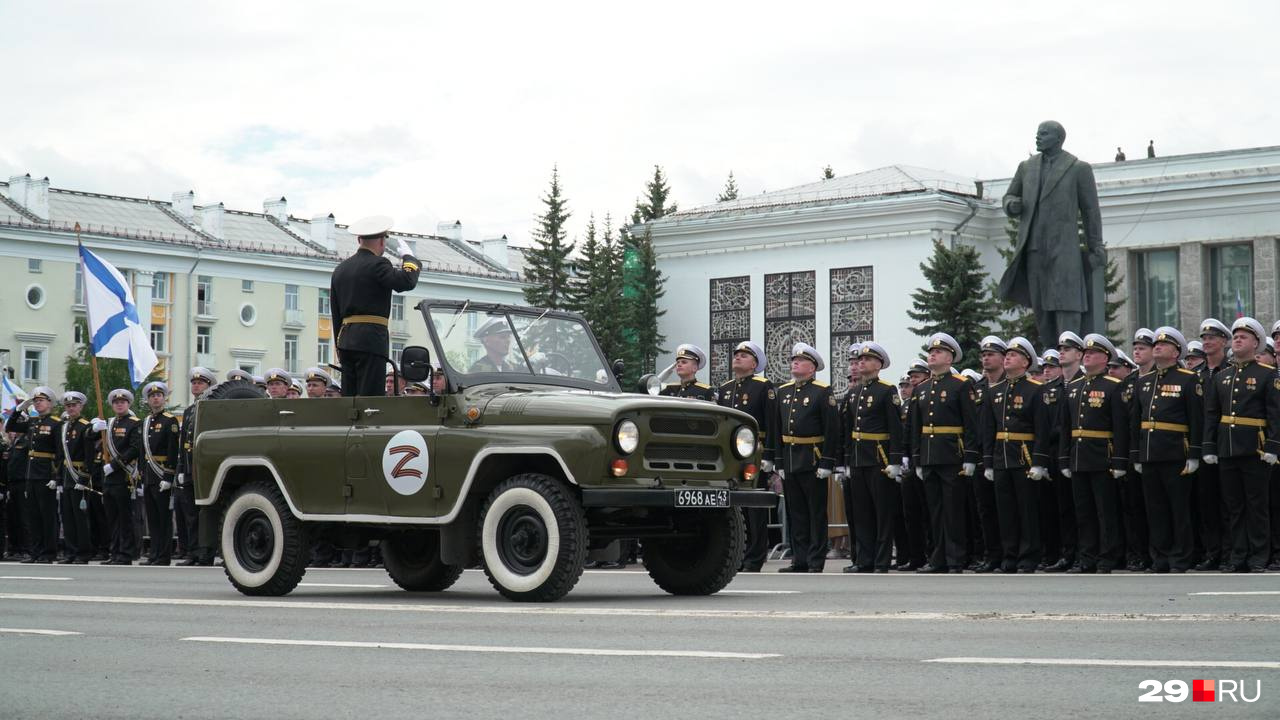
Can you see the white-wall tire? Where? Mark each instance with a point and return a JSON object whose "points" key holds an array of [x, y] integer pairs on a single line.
{"points": [[262, 542], [533, 539]]}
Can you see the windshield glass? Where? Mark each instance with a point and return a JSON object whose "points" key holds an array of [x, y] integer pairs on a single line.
{"points": [[479, 341]]}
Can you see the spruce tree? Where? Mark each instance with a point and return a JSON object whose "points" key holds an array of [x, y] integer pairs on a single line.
{"points": [[730, 191], [599, 286], [954, 300], [656, 202], [642, 288], [548, 260]]}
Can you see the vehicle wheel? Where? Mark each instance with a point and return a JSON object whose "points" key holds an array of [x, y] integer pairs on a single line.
{"points": [[413, 562], [264, 547], [234, 390], [701, 565], [533, 538]]}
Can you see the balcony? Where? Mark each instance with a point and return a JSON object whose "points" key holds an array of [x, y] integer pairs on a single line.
{"points": [[293, 320], [207, 360], [205, 311], [398, 328]]}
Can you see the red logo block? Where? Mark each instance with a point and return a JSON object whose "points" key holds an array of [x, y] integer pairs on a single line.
{"points": [[1202, 691]]}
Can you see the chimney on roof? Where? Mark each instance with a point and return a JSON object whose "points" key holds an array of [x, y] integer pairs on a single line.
{"points": [[451, 230], [184, 204], [32, 195], [278, 209], [496, 250], [322, 232], [211, 220]]}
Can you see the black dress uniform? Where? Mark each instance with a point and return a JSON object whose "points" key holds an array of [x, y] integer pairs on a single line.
{"points": [[16, 497], [984, 518], [1242, 421], [1059, 541], [871, 432], [75, 453], [42, 503], [1015, 438], [184, 495], [1094, 441], [944, 436], [915, 504], [755, 396], [1208, 514], [1165, 427], [159, 460], [121, 452], [360, 301], [1137, 533], [690, 389], [806, 437]]}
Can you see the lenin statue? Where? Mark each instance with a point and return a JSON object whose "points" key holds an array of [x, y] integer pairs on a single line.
{"points": [[1055, 271]]}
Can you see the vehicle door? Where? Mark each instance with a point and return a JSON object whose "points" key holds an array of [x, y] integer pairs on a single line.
{"points": [[395, 440], [313, 436]]}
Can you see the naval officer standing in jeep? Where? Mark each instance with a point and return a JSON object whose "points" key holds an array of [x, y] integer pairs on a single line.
{"points": [[361, 305]]}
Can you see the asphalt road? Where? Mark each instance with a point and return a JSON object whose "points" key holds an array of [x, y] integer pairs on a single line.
{"points": [[181, 642]]}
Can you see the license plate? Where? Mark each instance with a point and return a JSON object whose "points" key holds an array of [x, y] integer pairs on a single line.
{"points": [[702, 498]]}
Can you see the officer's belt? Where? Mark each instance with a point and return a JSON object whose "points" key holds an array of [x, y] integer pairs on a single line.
{"points": [[160, 458], [1237, 420], [942, 430], [1171, 427], [367, 319], [1025, 437], [1095, 434], [77, 464], [868, 436], [40, 455], [794, 440]]}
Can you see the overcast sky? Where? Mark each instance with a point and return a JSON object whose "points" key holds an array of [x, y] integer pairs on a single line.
{"points": [[430, 111]]}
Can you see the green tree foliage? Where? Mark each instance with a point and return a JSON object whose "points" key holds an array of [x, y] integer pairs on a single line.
{"points": [[730, 191], [548, 261], [643, 282], [112, 372], [954, 301], [828, 173], [599, 286], [657, 199]]}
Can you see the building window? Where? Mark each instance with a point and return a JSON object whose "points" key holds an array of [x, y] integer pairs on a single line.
{"points": [[35, 297], [789, 301], [397, 348], [397, 307], [80, 329], [323, 306], [248, 314], [291, 353], [1157, 288], [730, 322], [33, 364], [324, 352], [852, 317], [79, 297], [204, 340], [34, 265], [246, 286], [1231, 278], [249, 367], [159, 341], [160, 287], [290, 297], [204, 295]]}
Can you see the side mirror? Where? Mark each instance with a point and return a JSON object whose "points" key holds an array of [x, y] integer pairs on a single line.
{"points": [[618, 367], [415, 363]]}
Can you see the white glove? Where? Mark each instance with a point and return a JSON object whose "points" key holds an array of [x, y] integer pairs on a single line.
{"points": [[1038, 473], [22, 407], [766, 466], [1137, 467], [52, 485], [989, 474], [165, 485], [1117, 474], [81, 486], [403, 248], [920, 473], [1270, 458], [895, 472], [782, 474], [1066, 473], [969, 469], [1213, 459], [1190, 467], [99, 425], [823, 473], [182, 479], [138, 492], [1, 497], [107, 469], [842, 470]]}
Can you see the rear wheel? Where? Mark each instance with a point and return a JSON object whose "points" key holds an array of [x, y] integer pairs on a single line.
{"points": [[263, 544], [533, 538], [413, 562], [703, 564]]}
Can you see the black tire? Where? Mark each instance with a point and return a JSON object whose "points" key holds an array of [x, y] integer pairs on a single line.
{"points": [[533, 538], [702, 565], [413, 562], [234, 390], [264, 547]]}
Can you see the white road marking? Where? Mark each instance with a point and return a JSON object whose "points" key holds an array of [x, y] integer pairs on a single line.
{"points": [[1247, 664], [701, 654], [502, 608], [1241, 592], [342, 585], [758, 592], [31, 577], [30, 631]]}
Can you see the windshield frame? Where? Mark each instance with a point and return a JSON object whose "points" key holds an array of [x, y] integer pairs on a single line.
{"points": [[457, 380]]}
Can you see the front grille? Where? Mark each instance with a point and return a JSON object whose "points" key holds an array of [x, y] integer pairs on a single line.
{"points": [[662, 456], [682, 426]]}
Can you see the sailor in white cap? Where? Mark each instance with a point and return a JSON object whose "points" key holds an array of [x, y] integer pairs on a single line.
{"points": [[1266, 353], [120, 452], [1215, 337], [295, 390], [278, 381], [317, 380], [415, 388], [1120, 366], [160, 431], [186, 514], [1060, 545], [393, 383], [973, 375], [807, 442], [945, 451], [1143, 340], [42, 437], [689, 360], [1070, 351], [917, 371], [235, 374], [495, 335], [261, 382], [752, 393], [360, 303], [1195, 354], [1242, 436], [991, 357], [73, 459]]}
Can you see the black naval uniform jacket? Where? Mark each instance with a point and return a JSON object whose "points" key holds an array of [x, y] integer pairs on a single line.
{"points": [[944, 423], [186, 436], [1166, 416], [1052, 394], [43, 436], [360, 291], [1015, 425], [690, 389], [160, 434], [1094, 435], [871, 425], [755, 396], [806, 429], [76, 448], [125, 437], [1242, 411]]}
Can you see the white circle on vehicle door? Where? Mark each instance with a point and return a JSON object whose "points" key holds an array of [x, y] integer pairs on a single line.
{"points": [[405, 462]]}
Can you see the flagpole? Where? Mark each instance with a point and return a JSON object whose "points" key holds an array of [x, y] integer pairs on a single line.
{"points": [[93, 357]]}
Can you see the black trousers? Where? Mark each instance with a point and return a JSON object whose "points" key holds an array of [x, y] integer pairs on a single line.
{"points": [[946, 490], [757, 550], [807, 518], [1275, 515], [118, 502], [1018, 499], [76, 539], [887, 496], [1137, 543], [1050, 539], [42, 519], [990, 527], [99, 528], [915, 516], [860, 509], [1097, 504], [208, 535], [1068, 534], [1207, 514], [1246, 491], [187, 518], [1168, 495], [159, 523], [362, 373]]}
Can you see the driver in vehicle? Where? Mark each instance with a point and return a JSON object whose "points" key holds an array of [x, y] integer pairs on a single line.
{"points": [[495, 335]]}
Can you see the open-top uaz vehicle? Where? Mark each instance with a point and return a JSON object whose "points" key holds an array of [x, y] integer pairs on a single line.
{"points": [[528, 461]]}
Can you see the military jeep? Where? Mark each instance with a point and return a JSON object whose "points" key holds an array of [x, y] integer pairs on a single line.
{"points": [[527, 459]]}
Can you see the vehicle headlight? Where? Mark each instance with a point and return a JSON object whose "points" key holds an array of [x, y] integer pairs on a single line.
{"points": [[744, 441], [626, 436]]}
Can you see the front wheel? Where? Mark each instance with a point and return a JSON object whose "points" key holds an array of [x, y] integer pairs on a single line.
{"points": [[533, 538], [703, 563], [263, 544], [413, 562]]}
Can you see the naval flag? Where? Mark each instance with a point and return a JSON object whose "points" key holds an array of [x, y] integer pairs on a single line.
{"points": [[114, 328]]}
